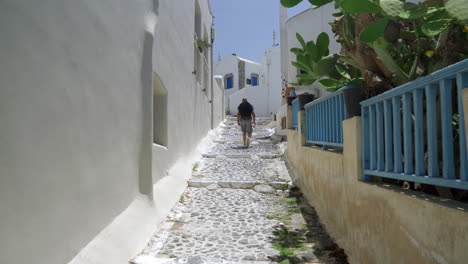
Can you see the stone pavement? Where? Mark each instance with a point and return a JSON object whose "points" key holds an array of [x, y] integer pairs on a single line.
{"points": [[240, 208]]}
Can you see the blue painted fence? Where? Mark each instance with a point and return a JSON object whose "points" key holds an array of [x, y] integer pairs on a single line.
{"points": [[324, 118], [402, 129], [295, 111]]}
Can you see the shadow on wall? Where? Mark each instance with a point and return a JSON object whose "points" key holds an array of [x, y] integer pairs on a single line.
{"points": [[156, 7], [145, 176]]}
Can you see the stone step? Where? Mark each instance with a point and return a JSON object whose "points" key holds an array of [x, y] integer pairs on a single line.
{"points": [[148, 259], [238, 184]]}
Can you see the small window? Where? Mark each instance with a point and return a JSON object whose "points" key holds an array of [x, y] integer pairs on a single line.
{"points": [[254, 78], [228, 80], [249, 81], [160, 115]]}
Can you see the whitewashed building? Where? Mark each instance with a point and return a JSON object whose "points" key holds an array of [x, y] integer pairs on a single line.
{"points": [[309, 23], [260, 83], [101, 105]]}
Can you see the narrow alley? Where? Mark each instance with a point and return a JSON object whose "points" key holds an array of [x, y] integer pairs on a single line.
{"points": [[240, 207]]}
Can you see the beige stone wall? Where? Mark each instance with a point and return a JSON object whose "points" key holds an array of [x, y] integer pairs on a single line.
{"points": [[373, 222]]}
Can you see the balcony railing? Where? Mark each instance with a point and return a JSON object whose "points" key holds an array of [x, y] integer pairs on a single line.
{"points": [[295, 111], [416, 132], [324, 118]]}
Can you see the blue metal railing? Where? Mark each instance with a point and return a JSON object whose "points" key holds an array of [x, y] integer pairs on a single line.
{"points": [[403, 138], [324, 118], [295, 111]]}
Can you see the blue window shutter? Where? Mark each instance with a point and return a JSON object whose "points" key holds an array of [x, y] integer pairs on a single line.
{"points": [[254, 80], [229, 82]]}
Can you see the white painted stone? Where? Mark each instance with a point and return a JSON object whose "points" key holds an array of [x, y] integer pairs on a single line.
{"points": [[264, 189], [212, 187]]}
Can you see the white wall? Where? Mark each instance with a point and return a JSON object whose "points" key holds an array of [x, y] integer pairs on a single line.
{"points": [[228, 65], [255, 95], [76, 115], [71, 96], [282, 112], [189, 108], [218, 98], [272, 66], [266, 97]]}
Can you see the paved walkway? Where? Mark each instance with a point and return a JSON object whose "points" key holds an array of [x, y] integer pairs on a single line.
{"points": [[240, 208]]}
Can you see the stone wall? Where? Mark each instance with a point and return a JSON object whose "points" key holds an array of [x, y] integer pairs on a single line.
{"points": [[241, 70], [376, 223]]}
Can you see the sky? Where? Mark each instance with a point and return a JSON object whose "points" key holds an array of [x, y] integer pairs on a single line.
{"points": [[245, 27]]}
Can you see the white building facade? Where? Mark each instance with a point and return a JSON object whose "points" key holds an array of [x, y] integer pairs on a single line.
{"points": [[309, 23], [260, 83], [99, 101]]}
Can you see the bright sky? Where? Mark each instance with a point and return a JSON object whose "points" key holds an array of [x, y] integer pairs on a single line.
{"points": [[245, 27]]}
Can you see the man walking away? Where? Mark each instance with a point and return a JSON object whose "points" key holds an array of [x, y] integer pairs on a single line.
{"points": [[245, 114]]}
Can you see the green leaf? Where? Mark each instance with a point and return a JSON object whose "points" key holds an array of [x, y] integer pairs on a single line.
{"points": [[359, 6], [302, 59], [295, 84], [392, 8], [417, 13], [349, 28], [319, 3], [337, 14], [331, 84], [301, 40], [458, 9], [435, 27], [322, 44], [297, 51], [325, 66], [380, 47], [303, 76], [290, 3], [305, 60], [301, 66], [307, 82], [313, 51], [348, 61], [201, 45], [374, 30], [343, 71]]}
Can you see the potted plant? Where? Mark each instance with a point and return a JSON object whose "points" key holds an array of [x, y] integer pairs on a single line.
{"points": [[290, 99], [304, 99], [352, 97], [201, 44]]}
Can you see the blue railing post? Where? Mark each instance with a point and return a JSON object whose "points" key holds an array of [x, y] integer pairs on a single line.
{"points": [[397, 151], [418, 132], [388, 136], [462, 83], [431, 106], [447, 130], [295, 111]]}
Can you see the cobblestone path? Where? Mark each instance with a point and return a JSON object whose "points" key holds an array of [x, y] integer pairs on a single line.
{"points": [[240, 208]]}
